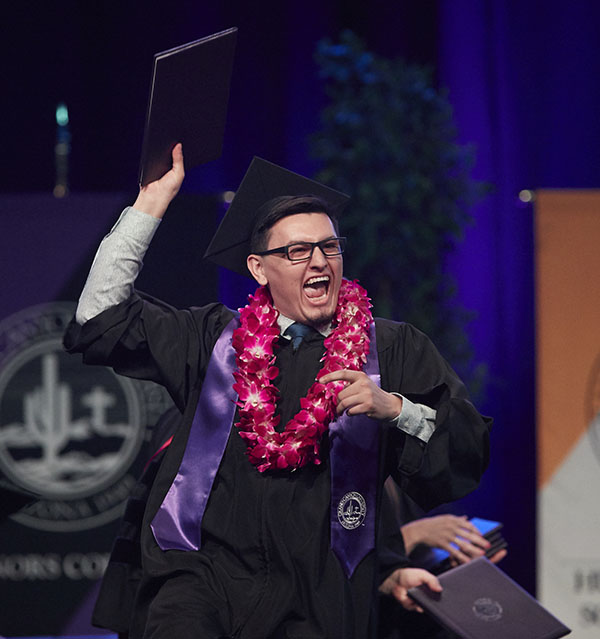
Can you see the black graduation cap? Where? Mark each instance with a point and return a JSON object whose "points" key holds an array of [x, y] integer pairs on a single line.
{"points": [[188, 103], [263, 181]]}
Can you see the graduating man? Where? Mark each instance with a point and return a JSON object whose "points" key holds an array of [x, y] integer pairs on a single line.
{"points": [[263, 520]]}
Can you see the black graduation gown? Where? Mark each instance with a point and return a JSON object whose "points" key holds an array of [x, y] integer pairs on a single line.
{"points": [[265, 568]]}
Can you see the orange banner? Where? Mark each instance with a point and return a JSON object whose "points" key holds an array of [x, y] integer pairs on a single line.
{"points": [[567, 241]]}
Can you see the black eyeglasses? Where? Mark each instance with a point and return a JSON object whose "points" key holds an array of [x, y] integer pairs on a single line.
{"points": [[303, 251]]}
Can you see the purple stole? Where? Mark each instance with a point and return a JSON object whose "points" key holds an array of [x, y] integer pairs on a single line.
{"points": [[354, 461]]}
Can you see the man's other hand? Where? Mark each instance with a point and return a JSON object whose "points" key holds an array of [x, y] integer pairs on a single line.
{"points": [[361, 395]]}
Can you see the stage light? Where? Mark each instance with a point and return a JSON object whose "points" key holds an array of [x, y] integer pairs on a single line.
{"points": [[62, 114], [526, 196]]}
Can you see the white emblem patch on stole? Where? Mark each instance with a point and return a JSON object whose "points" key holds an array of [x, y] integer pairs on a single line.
{"points": [[351, 510]]}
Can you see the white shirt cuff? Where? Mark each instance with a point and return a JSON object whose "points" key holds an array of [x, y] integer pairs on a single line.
{"points": [[417, 420]]}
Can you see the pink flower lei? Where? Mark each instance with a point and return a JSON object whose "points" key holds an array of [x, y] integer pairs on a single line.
{"points": [[347, 347]]}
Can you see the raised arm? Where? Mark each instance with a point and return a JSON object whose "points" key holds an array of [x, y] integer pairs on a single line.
{"points": [[120, 255]]}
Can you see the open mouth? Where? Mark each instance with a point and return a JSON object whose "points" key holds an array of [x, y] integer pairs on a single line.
{"points": [[316, 288]]}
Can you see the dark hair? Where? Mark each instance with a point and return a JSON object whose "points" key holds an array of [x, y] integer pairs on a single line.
{"points": [[279, 207]]}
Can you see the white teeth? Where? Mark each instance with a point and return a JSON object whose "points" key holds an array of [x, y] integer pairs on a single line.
{"points": [[314, 280]]}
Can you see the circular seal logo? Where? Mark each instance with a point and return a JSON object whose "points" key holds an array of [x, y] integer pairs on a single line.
{"points": [[351, 510], [68, 432], [487, 609]]}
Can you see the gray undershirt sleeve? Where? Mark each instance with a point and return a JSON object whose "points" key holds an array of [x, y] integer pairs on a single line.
{"points": [[417, 420], [117, 264]]}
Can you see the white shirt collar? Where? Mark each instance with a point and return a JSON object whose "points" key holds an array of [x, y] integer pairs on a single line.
{"points": [[285, 322]]}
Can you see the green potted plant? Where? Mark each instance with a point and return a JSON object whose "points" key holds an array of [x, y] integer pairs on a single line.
{"points": [[387, 138]]}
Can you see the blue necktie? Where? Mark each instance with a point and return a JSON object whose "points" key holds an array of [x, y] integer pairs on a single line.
{"points": [[297, 332]]}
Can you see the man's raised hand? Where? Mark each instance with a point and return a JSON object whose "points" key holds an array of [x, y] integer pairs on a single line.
{"points": [[154, 198]]}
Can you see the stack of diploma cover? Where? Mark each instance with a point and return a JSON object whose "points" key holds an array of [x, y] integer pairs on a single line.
{"points": [[188, 104], [479, 601], [436, 560]]}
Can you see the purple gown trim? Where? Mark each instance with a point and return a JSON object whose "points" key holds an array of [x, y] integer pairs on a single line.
{"points": [[354, 447], [176, 525], [354, 462]]}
